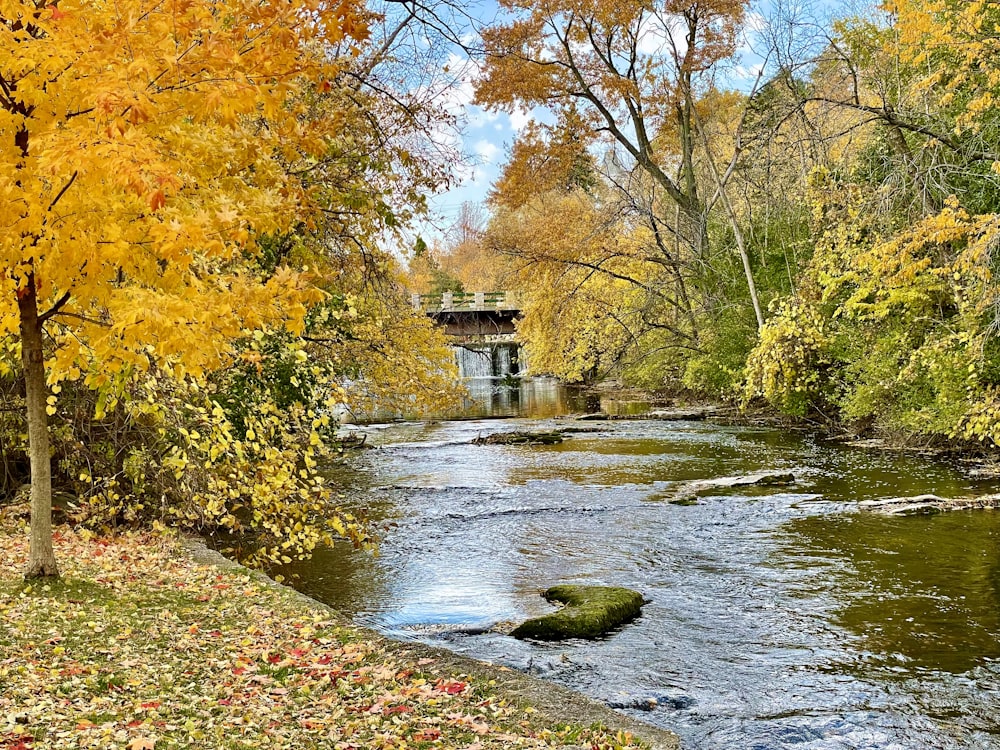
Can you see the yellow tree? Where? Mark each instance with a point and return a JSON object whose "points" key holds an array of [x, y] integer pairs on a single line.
{"points": [[145, 145]]}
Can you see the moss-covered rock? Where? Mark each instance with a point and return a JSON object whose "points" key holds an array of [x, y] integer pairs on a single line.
{"points": [[590, 612]]}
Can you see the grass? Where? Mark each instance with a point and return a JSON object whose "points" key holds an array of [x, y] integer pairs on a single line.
{"points": [[138, 647]]}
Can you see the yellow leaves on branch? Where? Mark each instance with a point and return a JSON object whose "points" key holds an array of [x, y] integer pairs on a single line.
{"points": [[944, 256], [143, 145], [956, 44]]}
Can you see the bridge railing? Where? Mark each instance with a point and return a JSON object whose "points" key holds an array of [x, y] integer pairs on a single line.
{"points": [[467, 301]]}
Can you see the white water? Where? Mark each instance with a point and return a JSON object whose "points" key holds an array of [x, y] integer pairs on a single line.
{"points": [[489, 360]]}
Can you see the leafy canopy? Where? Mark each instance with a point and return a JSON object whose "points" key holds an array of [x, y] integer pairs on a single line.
{"points": [[145, 145]]}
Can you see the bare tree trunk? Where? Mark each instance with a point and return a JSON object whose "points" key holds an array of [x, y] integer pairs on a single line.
{"points": [[41, 558], [734, 223]]}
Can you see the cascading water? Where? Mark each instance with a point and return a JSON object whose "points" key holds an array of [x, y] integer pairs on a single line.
{"points": [[496, 360]]}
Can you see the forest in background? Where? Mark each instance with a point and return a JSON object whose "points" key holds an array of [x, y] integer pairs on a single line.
{"points": [[823, 239]]}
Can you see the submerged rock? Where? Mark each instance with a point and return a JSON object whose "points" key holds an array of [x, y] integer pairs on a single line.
{"points": [[923, 505], [521, 438], [590, 612], [688, 493], [651, 701]]}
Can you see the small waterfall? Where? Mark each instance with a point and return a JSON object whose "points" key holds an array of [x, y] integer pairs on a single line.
{"points": [[496, 360]]}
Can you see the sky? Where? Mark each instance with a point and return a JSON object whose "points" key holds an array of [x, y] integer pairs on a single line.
{"points": [[485, 140]]}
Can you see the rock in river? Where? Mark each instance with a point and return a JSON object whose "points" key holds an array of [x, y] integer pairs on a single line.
{"points": [[590, 612], [929, 504], [689, 492], [520, 438]]}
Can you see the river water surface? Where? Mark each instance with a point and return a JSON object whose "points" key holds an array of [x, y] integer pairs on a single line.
{"points": [[778, 617]]}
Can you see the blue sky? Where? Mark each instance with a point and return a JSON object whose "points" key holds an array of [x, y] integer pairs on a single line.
{"points": [[485, 140]]}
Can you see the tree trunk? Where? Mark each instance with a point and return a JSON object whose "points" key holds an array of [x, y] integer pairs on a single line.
{"points": [[41, 558], [734, 223]]}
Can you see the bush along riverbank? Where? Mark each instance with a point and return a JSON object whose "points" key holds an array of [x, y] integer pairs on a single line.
{"points": [[139, 646]]}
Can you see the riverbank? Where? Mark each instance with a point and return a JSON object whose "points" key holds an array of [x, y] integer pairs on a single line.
{"points": [[146, 643], [631, 403]]}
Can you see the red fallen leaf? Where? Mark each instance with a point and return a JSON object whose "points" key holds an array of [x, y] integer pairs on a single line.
{"points": [[273, 658], [225, 702], [203, 598], [19, 742], [215, 633], [150, 704], [85, 724], [451, 688], [134, 723], [404, 675], [427, 735], [298, 652], [398, 710], [239, 670], [324, 659]]}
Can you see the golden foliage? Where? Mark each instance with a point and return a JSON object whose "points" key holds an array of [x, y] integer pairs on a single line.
{"points": [[145, 145]]}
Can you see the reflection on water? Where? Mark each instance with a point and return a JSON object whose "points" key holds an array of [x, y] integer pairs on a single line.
{"points": [[930, 584], [778, 617], [512, 397]]}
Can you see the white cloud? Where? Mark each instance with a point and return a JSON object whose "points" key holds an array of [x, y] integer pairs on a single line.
{"points": [[755, 22], [748, 72], [487, 151], [519, 118], [661, 36]]}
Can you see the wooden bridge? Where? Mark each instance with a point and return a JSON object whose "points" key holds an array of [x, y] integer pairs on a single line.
{"points": [[472, 316]]}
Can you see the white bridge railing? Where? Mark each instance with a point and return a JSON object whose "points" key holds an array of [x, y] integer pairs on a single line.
{"points": [[466, 301]]}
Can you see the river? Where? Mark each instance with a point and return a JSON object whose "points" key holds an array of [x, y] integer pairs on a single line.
{"points": [[778, 617]]}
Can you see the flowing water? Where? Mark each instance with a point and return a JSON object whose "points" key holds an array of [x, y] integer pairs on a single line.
{"points": [[777, 617]]}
